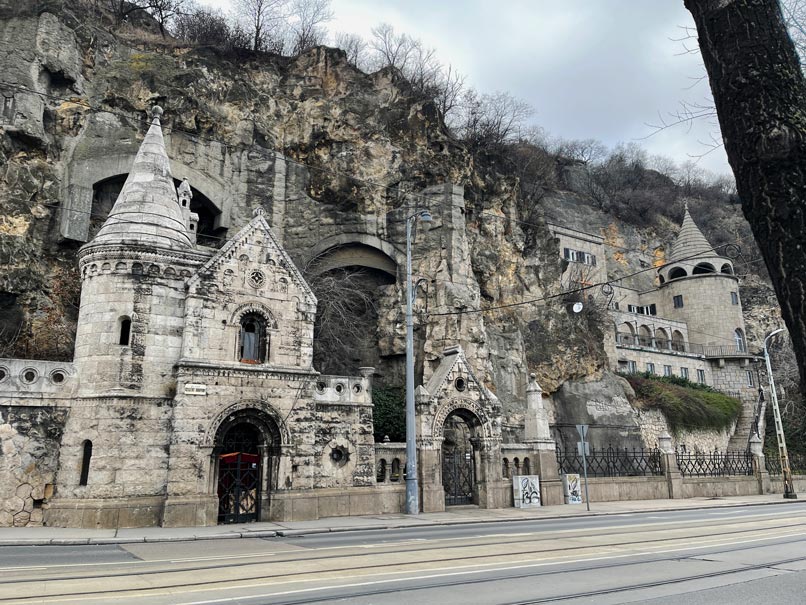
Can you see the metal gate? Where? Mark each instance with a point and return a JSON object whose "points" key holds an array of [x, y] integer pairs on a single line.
{"points": [[458, 476], [238, 487]]}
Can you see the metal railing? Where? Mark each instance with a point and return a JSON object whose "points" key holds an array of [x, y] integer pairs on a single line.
{"points": [[714, 464], [661, 344], [773, 464], [612, 462]]}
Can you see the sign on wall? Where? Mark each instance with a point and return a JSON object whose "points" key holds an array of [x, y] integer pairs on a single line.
{"points": [[572, 488], [195, 389], [526, 490]]}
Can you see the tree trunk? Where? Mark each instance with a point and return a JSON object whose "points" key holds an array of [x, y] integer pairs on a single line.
{"points": [[760, 97]]}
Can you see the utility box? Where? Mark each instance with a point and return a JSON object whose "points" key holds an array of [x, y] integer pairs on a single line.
{"points": [[572, 488]]}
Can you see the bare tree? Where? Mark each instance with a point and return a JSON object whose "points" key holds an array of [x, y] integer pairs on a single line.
{"points": [[307, 24], [450, 87], [355, 47], [759, 92], [166, 11], [346, 307], [262, 19], [492, 120]]}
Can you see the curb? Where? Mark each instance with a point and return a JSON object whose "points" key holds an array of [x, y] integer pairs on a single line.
{"points": [[295, 533]]}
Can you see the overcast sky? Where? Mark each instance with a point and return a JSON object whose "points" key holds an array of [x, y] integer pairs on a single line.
{"points": [[602, 69]]}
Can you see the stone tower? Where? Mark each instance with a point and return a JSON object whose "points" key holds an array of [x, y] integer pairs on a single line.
{"points": [[698, 286], [129, 333]]}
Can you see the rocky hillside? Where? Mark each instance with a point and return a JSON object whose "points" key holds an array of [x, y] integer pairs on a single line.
{"points": [[358, 152]]}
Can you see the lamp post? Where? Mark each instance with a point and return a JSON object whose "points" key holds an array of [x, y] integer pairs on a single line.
{"points": [[412, 487], [789, 488]]}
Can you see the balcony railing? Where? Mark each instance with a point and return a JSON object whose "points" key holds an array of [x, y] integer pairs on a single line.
{"points": [[679, 346]]}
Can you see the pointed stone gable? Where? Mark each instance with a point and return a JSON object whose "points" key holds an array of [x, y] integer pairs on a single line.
{"points": [[147, 211], [240, 250], [454, 365], [690, 241]]}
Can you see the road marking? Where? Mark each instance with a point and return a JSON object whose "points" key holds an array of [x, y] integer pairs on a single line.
{"points": [[449, 571], [544, 534]]}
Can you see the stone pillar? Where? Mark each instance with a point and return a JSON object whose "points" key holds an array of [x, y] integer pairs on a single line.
{"points": [[429, 469], [537, 433], [759, 464], [487, 474], [674, 480]]}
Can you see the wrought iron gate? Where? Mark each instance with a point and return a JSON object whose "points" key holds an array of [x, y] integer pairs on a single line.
{"points": [[458, 476], [238, 487]]}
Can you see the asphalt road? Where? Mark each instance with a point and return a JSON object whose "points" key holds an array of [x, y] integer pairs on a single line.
{"points": [[725, 555]]}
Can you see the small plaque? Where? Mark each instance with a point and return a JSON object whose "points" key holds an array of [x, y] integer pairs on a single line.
{"points": [[195, 389]]}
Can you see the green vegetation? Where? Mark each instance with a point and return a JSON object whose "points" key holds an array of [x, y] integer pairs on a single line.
{"points": [[389, 413], [686, 405]]}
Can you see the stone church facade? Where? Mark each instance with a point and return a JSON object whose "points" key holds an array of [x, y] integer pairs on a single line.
{"points": [[192, 398]]}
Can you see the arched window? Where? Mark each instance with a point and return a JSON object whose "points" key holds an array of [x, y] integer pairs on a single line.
{"points": [[253, 340], [677, 272], [741, 343], [644, 336], [505, 468], [395, 475], [703, 268], [727, 269], [661, 338], [627, 334], [661, 280], [678, 342], [125, 330], [516, 465], [381, 474], [85, 463], [527, 468]]}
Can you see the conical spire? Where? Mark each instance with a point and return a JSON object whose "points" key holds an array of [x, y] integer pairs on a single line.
{"points": [[147, 210], [690, 241]]}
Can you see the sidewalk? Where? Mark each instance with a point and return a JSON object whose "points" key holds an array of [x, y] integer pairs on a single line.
{"points": [[41, 536]]}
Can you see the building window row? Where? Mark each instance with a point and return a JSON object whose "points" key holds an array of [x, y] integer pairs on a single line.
{"points": [[577, 256], [632, 368], [643, 309]]}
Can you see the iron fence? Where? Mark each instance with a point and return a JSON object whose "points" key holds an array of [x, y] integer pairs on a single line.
{"points": [[714, 464], [612, 462], [773, 464]]}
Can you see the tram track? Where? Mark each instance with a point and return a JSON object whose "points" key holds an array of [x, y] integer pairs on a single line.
{"points": [[270, 559], [549, 599], [560, 554]]}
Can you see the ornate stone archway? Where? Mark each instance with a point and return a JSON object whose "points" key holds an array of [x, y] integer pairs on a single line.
{"points": [[454, 391]]}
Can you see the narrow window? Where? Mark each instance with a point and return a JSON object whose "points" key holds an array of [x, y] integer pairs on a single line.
{"points": [[653, 309], [632, 367], [684, 373], [741, 344], [395, 475], [85, 463], [678, 301], [667, 370], [505, 468], [253, 339], [650, 368], [527, 468], [701, 376], [125, 330], [734, 298]]}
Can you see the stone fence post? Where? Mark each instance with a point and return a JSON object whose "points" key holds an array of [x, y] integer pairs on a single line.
{"points": [[759, 464], [674, 480]]}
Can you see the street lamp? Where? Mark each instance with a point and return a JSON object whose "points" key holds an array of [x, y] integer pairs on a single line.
{"points": [[412, 488], [789, 488]]}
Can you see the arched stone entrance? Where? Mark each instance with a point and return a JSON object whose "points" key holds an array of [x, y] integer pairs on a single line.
{"points": [[459, 458], [245, 461]]}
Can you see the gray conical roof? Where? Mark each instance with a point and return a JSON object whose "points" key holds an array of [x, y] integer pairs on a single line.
{"points": [[147, 210], [690, 241]]}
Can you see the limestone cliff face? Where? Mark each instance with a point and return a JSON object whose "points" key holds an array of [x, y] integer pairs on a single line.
{"points": [[337, 158]]}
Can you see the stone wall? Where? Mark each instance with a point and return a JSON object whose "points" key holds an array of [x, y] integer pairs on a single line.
{"points": [[29, 457]]}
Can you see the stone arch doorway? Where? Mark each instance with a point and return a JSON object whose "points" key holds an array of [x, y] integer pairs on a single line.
{"points": [[245, 460], [459, 464]]}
